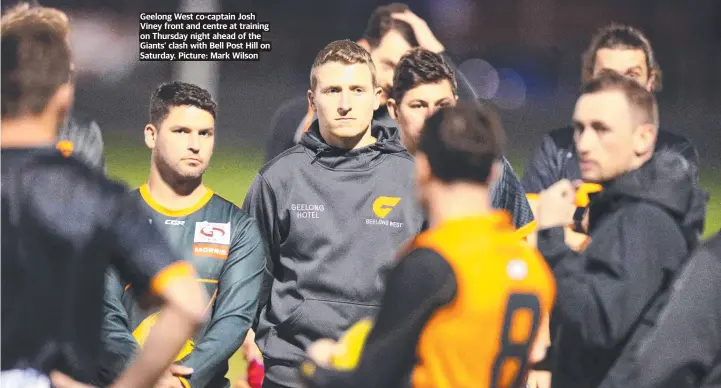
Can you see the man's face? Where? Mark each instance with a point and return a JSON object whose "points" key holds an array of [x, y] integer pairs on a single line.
{"points": [[605, 135], [183, 145], [385, 57], [417, 105], [627, 62], [344, 99]]}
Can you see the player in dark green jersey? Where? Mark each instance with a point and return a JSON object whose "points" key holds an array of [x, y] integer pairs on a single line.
{"points": [[221, 241]]}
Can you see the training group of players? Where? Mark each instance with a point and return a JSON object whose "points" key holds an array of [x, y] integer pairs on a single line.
{"points": [[385, 200]]}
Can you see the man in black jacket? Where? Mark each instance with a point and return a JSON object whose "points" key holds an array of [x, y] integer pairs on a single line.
{"points": [[642, 225], [627, 51], [683, 350], [332, 210], [391, 31]]}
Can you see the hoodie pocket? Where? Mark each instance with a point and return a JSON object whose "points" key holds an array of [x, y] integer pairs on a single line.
{"points": [[312, 320]]}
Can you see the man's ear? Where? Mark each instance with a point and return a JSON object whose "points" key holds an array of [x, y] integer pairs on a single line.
{"points": [[377, 93], [644, 139], [311, 101], [151, 135], [651, 81], [391, 104]]}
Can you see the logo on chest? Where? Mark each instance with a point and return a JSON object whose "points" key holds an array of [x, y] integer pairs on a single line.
{"points": [[211, 239], [382, 207], [306, 210]]}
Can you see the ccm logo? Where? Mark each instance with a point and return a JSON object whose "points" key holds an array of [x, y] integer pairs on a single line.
{"points": [[174, 222]]}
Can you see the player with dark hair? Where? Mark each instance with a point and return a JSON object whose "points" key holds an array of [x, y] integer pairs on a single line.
{"points": [[642, 226], [79, 135], [63, 226], [452, 305], [331, 209], [221, 241], [627, 51], [390, 32], [424, 83]]}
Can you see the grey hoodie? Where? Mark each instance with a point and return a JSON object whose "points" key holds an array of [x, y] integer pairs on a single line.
{"points": [[332, 220]]}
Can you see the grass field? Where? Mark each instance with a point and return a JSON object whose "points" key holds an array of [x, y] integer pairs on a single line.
{"points": [[232, 170]]}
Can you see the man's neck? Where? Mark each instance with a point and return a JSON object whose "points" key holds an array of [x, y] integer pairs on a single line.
{"points": [[457, 200], [174, 195], [350, 143], [28, 132]]}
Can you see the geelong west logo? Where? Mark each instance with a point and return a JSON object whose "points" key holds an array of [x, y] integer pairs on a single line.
{"points": [[382, 207]]}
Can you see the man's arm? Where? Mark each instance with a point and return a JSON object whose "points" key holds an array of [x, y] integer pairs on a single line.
{"points": [[421, 283], [508, 194], [235, 305], [120, 345], [260, 203], [603, 290], [542, 170], [685, 344]]}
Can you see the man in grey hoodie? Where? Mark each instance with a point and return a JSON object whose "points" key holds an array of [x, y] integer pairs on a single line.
{"points": [[332, 210]]}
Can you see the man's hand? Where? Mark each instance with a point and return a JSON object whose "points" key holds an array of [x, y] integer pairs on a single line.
{"points": [[170, 377], [557, 205], [423, 33], [322, 351], [538, 379]]}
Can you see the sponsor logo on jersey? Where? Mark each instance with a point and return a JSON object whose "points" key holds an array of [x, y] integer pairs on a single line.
{"points": [[175, 222], [382, 207], [212, 233], [211, 250]]}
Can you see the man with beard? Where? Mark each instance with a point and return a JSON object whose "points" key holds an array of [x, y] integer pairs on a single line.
{"points": [[221, 241]]}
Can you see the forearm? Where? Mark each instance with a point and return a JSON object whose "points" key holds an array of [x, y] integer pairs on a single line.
{"points": [[210, 356], [169, 334]]}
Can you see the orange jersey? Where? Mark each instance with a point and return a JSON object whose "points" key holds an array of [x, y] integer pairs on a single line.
{"points": [[504, 289]]}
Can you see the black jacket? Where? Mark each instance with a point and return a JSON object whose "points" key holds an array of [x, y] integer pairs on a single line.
{"points": [[556, 158], [683, 350], [332, 221], [642, 226]]}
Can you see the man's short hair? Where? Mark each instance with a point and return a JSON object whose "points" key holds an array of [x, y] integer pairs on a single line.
{"points": [[178, 93], [618, 37], [35, 63], [346, 52], [462, 142], [24, 13], [381, 22], [642, 102], [419, 67]]}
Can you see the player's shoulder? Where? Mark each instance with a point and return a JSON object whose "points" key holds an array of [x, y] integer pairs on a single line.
{"points": [[72, 172], [280, 165], [234, 214], [561, 137]]}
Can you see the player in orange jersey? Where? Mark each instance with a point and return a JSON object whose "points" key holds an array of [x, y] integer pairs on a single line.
{"points": [[462, 308]]}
